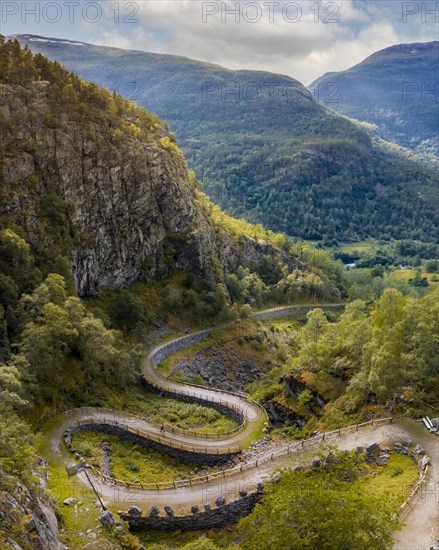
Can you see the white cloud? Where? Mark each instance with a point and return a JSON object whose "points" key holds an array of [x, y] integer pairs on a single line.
{"points": [[304, 49]]}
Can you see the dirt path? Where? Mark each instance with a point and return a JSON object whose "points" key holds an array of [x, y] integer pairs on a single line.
{"points": [[421, 518]]}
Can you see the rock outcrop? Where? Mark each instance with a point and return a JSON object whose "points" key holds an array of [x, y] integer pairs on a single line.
{"points": [[131, 210], [30, 519]]}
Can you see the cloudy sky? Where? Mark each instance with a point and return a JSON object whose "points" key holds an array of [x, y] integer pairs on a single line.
{"points": [[303, 39]]}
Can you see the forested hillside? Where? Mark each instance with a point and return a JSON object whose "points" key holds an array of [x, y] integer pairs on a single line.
{"points": [[264, 149], [395, 89]]}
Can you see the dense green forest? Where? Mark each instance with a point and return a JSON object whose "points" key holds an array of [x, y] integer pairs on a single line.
{"points": [[265, 150]]}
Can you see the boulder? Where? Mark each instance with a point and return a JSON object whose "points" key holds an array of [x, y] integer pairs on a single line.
{"points": [[70, 500], [316, 462], [382, 459], [260, 487], [135, 511], [107, 519], [207, 507], [220, 501], [425, 461], [169, 511], [71, 470], [243, 493], [154, 512], [401, 449], [418, 450], [298, 468], [195, 509], [373, 449]]}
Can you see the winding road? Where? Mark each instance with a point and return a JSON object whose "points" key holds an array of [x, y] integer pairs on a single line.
{"points": [[421, 517]]}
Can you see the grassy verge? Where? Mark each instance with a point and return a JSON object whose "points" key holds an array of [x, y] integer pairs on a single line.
{"points": [[74, 520], [171, 411], [391, 483], [131, 462]]}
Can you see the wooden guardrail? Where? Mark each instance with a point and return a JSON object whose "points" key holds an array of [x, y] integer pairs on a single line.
{"points": [[284, 451], [422, 480], [83, 412], [163, 439]]}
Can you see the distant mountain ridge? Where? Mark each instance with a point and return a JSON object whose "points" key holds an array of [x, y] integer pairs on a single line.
{"points": [[396, 88], [263, 148]]}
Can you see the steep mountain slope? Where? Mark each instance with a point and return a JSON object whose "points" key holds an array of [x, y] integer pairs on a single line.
{"points": [[87, 175], [395, 88], [263, 148]]}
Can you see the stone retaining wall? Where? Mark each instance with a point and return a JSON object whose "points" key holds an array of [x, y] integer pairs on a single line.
{"points": [[183, 456], [294, 310], [177, 345], [226, 514]]}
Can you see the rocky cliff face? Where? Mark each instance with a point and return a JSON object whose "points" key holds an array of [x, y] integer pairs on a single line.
{"points": [[131, 211], [127, 196], [31, 520]]}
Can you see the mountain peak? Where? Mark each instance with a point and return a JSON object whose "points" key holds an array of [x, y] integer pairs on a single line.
{"points": [[395, 89]]}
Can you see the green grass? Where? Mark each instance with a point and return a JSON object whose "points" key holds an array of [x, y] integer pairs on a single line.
{"points": [[392, 482], [76, 519], [362, 247], [407, 274], [166, 410], [129, 461]]}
